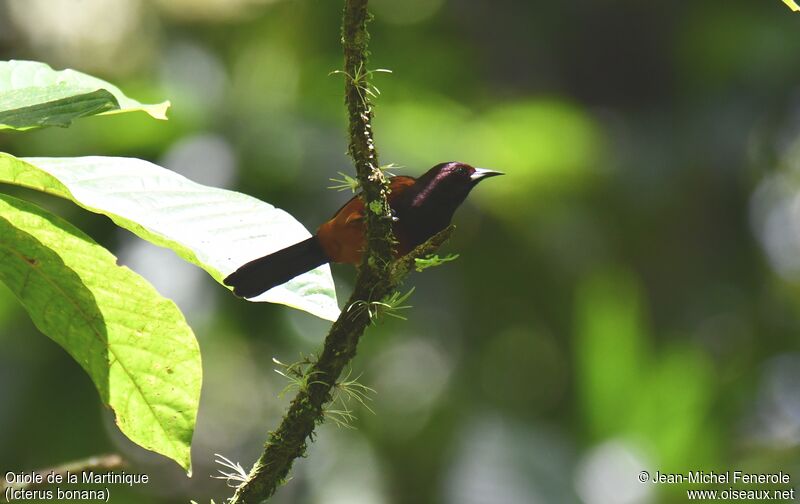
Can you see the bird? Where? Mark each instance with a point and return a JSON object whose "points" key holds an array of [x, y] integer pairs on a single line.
{"points": [[421, 207]]}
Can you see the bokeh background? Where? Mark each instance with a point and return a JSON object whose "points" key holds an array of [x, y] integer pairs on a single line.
{"points": [[627, 297]]}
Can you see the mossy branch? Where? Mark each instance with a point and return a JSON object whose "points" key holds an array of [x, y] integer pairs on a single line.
{"points": [[378, 276]]}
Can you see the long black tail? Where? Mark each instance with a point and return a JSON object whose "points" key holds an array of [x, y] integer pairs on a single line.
{"points": [[266, 272]]}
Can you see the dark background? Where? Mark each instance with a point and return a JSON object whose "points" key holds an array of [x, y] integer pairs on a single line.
{"points": [[626, 297]]}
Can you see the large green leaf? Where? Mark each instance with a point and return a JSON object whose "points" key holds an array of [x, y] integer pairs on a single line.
{"points": [[33, 95], [134, 344], [216, 229]]}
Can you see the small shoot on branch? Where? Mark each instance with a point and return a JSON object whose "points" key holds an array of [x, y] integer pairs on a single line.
{"points": [[433, 260], [391, 166], [234, 475], [361, 80], [390, 306], [351, 183], [344, 183], [354, 390], [299, 374], [345, 391], [341, 417]]}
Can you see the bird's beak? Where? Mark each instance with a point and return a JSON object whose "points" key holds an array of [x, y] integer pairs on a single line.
{"points": [[482, 173]]}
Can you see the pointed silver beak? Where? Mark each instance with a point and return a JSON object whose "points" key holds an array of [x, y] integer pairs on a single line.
{"points": [[481, 173]]}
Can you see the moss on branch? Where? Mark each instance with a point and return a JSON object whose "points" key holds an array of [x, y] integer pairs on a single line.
{"points": [[378, 276]]}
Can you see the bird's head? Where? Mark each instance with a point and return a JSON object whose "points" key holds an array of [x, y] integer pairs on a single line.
{"points": [[446, 185]]}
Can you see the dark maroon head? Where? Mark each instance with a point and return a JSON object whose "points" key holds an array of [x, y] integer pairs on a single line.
{"points": [[448, 184], [435, 196]]}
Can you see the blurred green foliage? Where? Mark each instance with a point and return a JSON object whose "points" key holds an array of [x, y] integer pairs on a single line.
{"points": [[625, 299]]}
